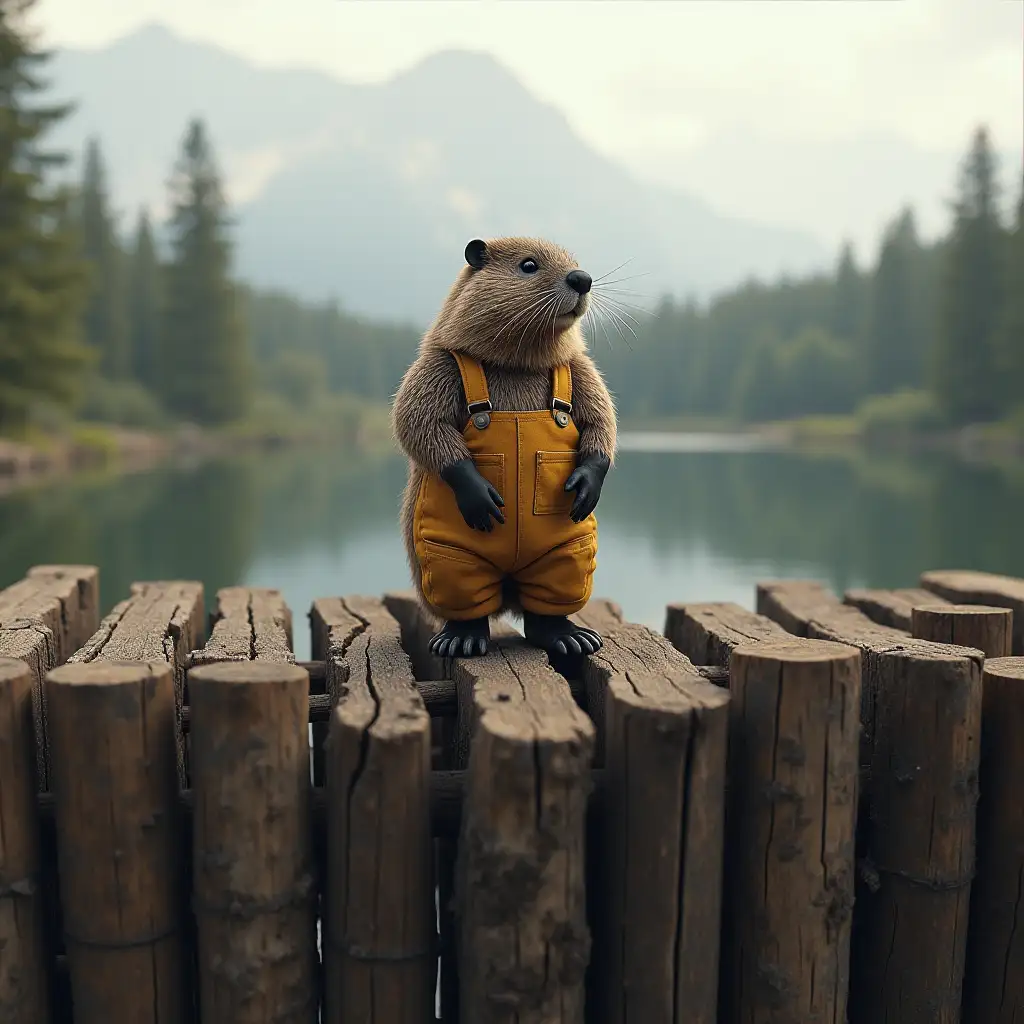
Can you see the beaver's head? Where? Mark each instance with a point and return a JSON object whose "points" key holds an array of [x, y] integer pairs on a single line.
{"points": [[517, 302]]}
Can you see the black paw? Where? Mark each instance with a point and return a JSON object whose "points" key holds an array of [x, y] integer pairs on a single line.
{"points": [[461, 639], [557, 635]]}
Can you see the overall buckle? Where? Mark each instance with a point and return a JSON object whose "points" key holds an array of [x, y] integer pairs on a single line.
{"points": [[561, 411], [480, 413]]}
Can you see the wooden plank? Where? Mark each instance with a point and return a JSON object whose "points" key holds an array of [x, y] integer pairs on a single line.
{"points": [[921, 719], [523, 937], [380, 956], [253, 863], [29, 641], [249, 624], [708, 633], [889, 607], [986, 629], [660, 862], [794, 725], [24, 988], [160, 621], [118, 839], [994, 986], [64, 598], [964, 587]]}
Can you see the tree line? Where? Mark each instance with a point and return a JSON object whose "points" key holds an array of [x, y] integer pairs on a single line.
{"points": [[930, 334], [155, 327]]}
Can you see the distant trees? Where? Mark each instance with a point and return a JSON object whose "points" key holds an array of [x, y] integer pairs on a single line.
{"points": [[42, 278], [144, 303]]}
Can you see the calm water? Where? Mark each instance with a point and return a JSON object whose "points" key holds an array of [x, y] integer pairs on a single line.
{"points": [[677, 522]]}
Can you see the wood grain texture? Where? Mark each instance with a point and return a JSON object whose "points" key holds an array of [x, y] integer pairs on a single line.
{"points": [[963, 587], [658, 870], [921, 723], [380, 953], [994, 987], [982, 627], [248, 624], [708, 633], [889, 607], [119, 840], [24, 981], [791, 819], [254, 891]]}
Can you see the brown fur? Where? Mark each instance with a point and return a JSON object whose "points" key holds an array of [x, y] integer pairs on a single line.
{"points": [[509, 323]]}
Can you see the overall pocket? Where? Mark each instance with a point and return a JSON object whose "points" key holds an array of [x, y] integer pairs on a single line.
{"points": [[550, 497]]}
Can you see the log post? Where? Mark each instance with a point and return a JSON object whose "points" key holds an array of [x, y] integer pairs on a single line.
{"points": [[118, 840], [994, 985], [985, 628], [252, 837], [24, 991], [790, 820]]}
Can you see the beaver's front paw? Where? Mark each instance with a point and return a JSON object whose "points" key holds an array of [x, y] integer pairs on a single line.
{"points": [[586, 480], [461, 639], [558, 635]]}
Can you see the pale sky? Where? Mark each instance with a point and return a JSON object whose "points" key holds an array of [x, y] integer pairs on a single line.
{"points": [[765, 108]]}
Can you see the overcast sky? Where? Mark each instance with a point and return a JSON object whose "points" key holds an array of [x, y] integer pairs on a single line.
{"points": [[820, 114]]}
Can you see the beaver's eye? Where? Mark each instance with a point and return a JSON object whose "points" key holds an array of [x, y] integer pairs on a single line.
{"points": [[529, 266]]}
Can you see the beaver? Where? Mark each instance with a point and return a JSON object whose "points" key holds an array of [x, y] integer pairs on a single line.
{"points": [[510, 431]]}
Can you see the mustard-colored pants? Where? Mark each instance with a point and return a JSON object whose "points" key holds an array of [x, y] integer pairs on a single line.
{"points": [[527, 457]]}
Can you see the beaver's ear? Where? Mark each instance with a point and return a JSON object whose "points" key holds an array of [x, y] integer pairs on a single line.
{"points": [[476, 253]]}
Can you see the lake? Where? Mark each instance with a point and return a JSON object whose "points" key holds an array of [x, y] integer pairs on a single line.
{"points": [[683, 518]]}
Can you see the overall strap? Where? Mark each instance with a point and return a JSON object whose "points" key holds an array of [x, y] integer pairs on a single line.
{"points": [[561, 394], [474, 382]]}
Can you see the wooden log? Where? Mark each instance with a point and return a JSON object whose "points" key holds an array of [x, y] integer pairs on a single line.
{"points": [[24, 988], [523, 938], [994, 985], [160, 621], [253, 866], [417, 627], [656, 931], [64, 598], [708, 633], [963, 587], [380, 955], [889, 607], [986, 629], [248, 624], [118, 840], [791, 819], [921, 719]]}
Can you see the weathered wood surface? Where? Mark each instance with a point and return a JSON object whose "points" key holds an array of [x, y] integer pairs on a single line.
{"points": [[921, 719], [43, 619], [994, 986], [660, 873], [160, 621], [889, 607], [523, 936], [24, 991], [963, 587], [64, 598], [118, 839], [254, 891], [791, 819], [248, 624], [982, 627], [708, 633], [379, 949]]}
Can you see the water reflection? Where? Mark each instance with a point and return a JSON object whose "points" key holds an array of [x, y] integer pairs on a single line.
{"points": [[675, 525]]}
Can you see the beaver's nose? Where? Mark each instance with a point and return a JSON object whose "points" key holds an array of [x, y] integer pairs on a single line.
{"points": [[579, 281]]}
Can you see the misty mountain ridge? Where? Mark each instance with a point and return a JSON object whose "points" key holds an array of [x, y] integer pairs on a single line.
{"points": [[369, 193]]}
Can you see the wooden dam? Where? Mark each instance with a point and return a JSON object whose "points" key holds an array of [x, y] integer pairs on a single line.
{"points": [[811, 813]]}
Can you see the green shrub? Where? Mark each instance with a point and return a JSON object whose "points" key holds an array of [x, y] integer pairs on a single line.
{"points": [[901, 413], [121, 403]]}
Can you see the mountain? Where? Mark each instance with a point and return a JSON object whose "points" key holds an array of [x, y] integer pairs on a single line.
{"points": [[370, 192]]}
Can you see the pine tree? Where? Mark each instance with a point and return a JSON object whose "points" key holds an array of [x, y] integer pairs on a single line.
{"points": [[106, 325], [897, 328], [204, 365], [41, 280], [849, 299], [144, 304], [965, 363], [1010, 330]]}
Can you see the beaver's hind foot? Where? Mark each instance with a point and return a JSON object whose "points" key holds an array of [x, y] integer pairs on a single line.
{"points": [[465, 638], [557, 635]]}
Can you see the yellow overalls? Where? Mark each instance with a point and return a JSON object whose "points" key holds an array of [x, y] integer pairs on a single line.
{"points": [[527, 457]]}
